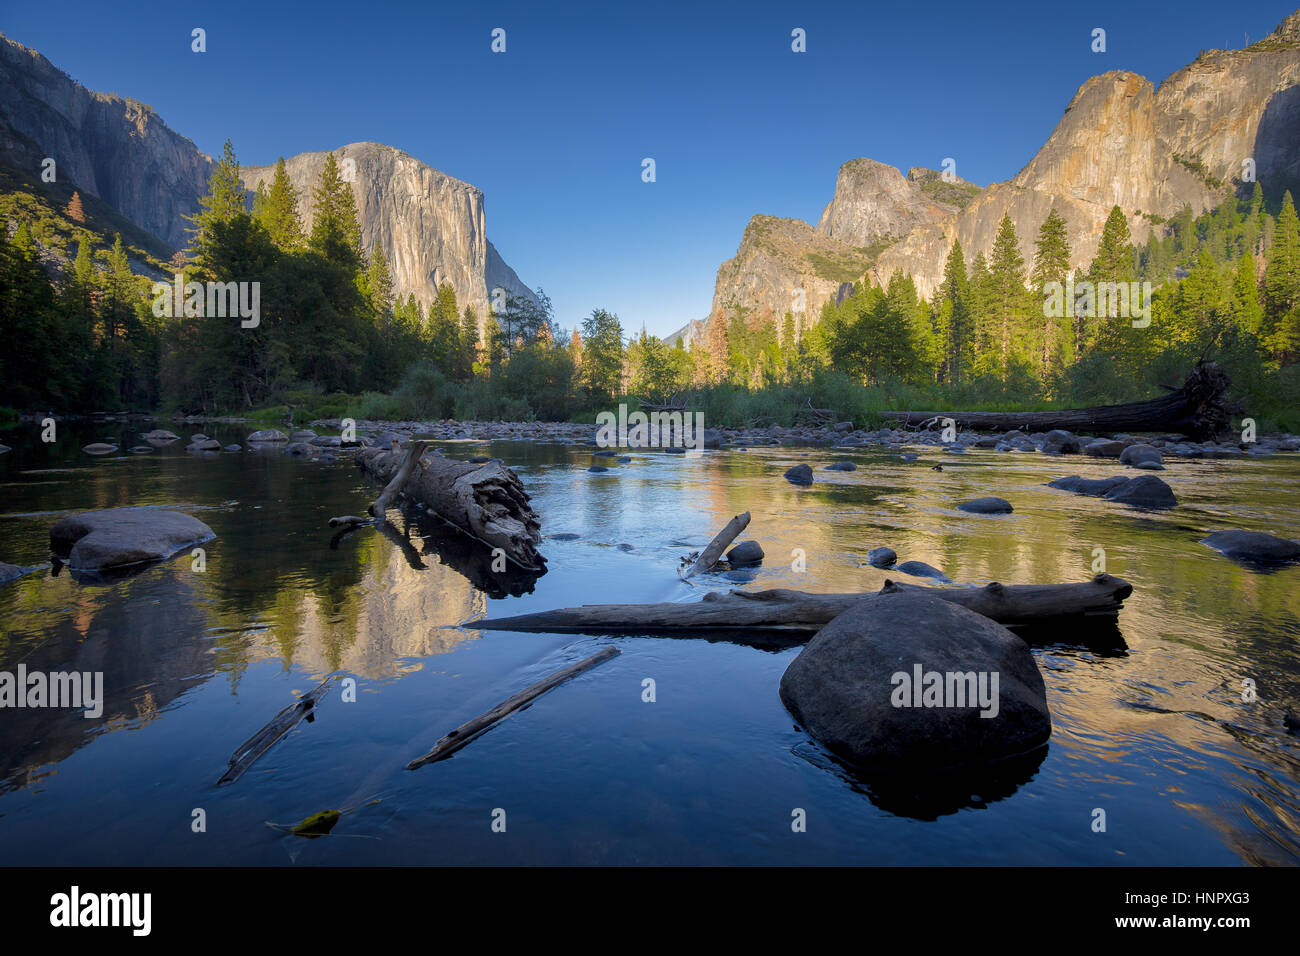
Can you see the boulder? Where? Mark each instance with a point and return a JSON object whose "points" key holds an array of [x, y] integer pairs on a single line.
{"points": [[300, 449], [234, 448], [841, 466], [597, 469], [268, 435], [160, 435], [986, 506], [910, 681], [799, 475], [198, 437], [99, 448], [881, 557], [1059, 442], [1253, 546], [1136, 455], [1097, 487], [1105, 448], [206, 444], [745, 553], [11, 572], [1145, 491], [120, 537], [922, 570]]}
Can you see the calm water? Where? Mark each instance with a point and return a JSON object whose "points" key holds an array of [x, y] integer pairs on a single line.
{"points": [[1155, 733]]}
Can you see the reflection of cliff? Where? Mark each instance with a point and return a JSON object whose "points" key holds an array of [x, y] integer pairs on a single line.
{"points": [[396, 612], [148, 660]]}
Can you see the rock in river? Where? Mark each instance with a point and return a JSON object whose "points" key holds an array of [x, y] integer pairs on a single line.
{"points": [[911, 681], [268, 435], [99, 448], [799, 475], [922, 570], [1138, 456], [986, 506], [119, 537], [1146, 491], [1097, 487], [1253, 546], [881, 557], [745, 553]]}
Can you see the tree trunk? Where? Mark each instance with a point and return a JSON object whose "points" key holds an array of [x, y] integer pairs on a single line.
{"points": [[1016, 605], [487, 501], [1200, 409]]}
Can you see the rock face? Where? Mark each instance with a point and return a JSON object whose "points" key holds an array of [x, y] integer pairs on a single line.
{"points": [[1121, 141], [116, 149], [121, 537], [873, 201], [1253, 546], [911, 681], [431, 228]]}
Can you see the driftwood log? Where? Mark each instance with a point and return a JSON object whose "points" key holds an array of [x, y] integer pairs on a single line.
{"points": [[262, 741], [480, 725], [1200, 409], [486, 501], [780, 609], [709, 556]]}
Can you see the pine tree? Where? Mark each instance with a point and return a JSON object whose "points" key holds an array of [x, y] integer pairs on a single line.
{"points": [[1247, 311], [379, 285], [1007, 295], [1282, 284], [277, 209], [1114, 259], [74, 210], [1051, 264], [719, 348], [335, 232], [225, 200], [955, 321]]}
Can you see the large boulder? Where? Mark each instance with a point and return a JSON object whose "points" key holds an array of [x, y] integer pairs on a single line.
{"points": [[1253, 546], [906, 680], [1105, 448], [1146, 491], [121, 537]]}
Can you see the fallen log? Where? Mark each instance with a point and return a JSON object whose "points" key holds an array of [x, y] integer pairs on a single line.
{"points": [[379, 506], [1200, 409], [480, 725], [781, 609], [251, 749], [486, 501], [709, 557]]}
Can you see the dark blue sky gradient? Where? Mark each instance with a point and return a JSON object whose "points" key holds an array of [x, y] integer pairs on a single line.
{"points": [[555, 129]]}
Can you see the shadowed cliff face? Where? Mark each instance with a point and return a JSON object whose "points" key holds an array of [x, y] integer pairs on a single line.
{"points": [[116, 149], [431, 227], [1122, 141]]}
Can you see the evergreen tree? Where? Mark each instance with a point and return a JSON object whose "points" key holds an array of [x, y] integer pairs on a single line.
{"points": [[1051, 264], [1008, 301], [225, 199], [277, 210], [1282, 285], [74, 210], [955, 325], [335, 233]]}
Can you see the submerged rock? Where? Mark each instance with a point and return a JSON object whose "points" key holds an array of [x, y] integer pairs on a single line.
{"points": [[881, 557], [565, 536], [119, 537], [922, 570], [99, 448], [1096, 487], [1253, 546], [841, 466], [11, 572], [908, 680], [597, 469], [745, 553], [1145, 491], [986, 506], [799, 475]]}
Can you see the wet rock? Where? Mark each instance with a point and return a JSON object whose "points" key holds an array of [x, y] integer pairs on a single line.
{"points": [[303, 434], [1105, 448], [234, 448], [624, 459], [327, 441], [1096, 487], [142, 449], [908, 680], [842, 466], [99, 448], [991, 505], [1145, 491], [597, 469], [745, 553], [12, 572], [207, 444], [120, 537], [268, 435], [565, 536], [198, 437], [160, 435], [799, 475], [626, 547], [1059, 442], [1138, 455], [300, 449], [604, 453], [920, 569], [881, 557], [1253, 546]]}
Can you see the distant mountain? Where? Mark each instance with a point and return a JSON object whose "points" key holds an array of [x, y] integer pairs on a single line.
{"points": [[1121, 142], [430, 226]]}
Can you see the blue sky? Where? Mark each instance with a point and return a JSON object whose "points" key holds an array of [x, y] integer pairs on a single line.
{"points": [[554, 130]]}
